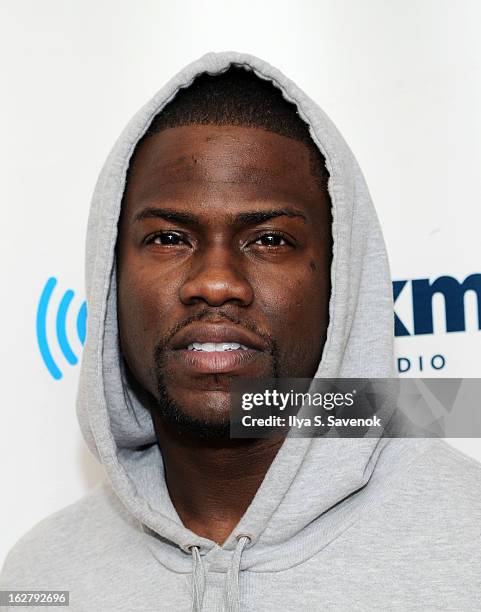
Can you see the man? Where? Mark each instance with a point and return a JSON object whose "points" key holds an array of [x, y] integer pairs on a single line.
{"points": [[217, 249]]}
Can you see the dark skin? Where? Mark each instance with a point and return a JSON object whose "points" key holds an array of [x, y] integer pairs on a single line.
{"points": [[267, 274]]}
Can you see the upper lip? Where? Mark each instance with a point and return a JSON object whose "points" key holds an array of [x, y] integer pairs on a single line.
{"points": [[215, 333]]}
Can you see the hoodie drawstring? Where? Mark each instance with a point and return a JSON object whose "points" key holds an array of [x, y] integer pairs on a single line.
{"points": [[231, 593], [198, 579]]}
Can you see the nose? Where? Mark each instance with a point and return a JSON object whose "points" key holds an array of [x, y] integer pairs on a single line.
{"points": [[216, 278]]}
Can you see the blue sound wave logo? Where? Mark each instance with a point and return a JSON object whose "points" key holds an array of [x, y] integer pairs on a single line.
{"points": [[60, 327]]}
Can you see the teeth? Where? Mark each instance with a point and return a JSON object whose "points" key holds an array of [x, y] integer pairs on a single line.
{"points": [[210, 347]]}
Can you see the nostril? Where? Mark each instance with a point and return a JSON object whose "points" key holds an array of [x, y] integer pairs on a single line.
{"points": [[216, 284]]}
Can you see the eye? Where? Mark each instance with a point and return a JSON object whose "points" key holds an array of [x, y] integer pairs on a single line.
{"points": [[167, 238], [271, 239]]}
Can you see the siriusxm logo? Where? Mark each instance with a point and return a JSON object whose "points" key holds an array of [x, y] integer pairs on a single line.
{"points": [[60, 327], [423, 291]]}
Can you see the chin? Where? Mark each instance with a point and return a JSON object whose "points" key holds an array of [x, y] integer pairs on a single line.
{"points": [[205, 415]]}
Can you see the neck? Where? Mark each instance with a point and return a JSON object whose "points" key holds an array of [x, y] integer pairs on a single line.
{"points": [[212, 483]]}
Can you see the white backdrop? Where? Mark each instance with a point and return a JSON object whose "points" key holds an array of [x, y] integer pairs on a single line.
{"points": [[401, 79]]}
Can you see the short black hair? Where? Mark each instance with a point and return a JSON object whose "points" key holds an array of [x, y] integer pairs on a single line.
{"points": [[239, 97]]}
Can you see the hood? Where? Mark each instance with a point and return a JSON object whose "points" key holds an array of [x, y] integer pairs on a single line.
{"points": [[297, 509]]}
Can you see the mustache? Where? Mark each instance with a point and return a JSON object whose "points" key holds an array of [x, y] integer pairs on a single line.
{"points": [[210, 315]]}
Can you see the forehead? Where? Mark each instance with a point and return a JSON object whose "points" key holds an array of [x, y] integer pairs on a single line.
{"points": [[230, 164]]}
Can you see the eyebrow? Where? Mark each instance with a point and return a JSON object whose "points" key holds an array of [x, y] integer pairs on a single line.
{"points": [[244, 218]]}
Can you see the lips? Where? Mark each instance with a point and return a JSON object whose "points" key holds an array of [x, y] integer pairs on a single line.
{"points": [[216, 334], [212, 349], [209, 347]]}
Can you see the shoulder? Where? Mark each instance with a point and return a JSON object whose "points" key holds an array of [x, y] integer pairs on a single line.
{"points": [[68, 538], [439, 493], [443, 468]]}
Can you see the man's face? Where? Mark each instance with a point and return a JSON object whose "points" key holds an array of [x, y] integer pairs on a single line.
{"points": [[224, 240]]}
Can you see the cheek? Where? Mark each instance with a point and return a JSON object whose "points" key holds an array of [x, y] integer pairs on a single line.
{"points": [[144, 301], [299, 301], [297, 309]]}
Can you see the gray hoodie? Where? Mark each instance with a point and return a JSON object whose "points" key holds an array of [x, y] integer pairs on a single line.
{"points": [[337, 524]]}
